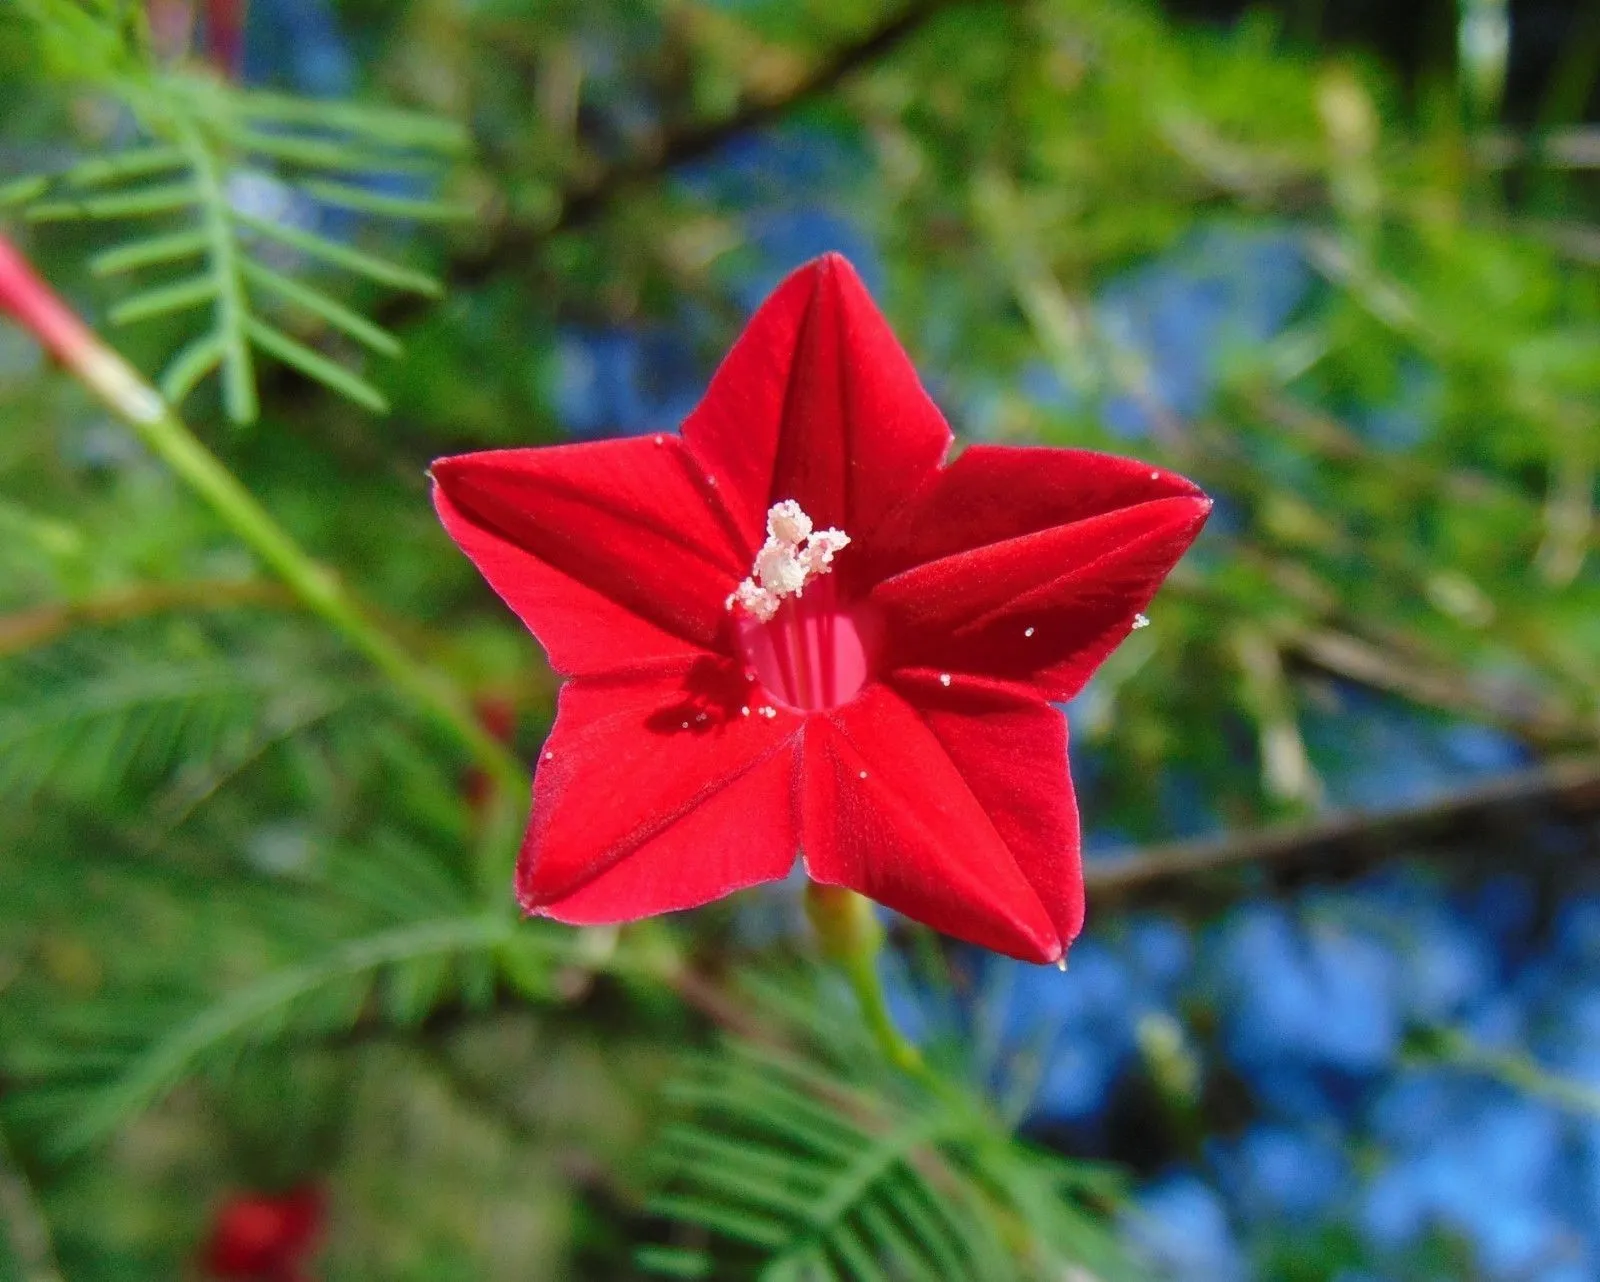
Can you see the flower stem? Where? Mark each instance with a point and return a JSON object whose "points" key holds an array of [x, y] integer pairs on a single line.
{"points": [[320, 590], [850, 936], [1515, 1069], [127, 395]]}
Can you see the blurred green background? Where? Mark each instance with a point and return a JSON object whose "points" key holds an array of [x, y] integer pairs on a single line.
{"points": [[1338, 1012]]}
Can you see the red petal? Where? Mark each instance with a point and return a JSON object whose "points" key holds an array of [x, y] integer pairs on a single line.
{"points": [[658, 793], [991, 493], [818, 403], [613, 553], [1043, 609], [886, 811], [1012, 753]]}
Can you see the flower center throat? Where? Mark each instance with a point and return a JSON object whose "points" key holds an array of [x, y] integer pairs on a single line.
{"points": [[806, 647]]}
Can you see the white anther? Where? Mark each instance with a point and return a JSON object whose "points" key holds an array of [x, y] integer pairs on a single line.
{"points": [[793, 554], [753, 600], [788, 523], [817, 555], [1140, 621], [779, 570], [1027, 632], [944, 678]]}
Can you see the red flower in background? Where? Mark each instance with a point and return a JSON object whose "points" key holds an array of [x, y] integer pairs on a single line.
{"points": [[265, 1238], [795, 627], [498, 716]]}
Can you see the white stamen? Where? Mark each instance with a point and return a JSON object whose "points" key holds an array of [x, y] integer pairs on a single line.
{"points": [[779, 570], [787, 522], [1140, 621], [754, 600], [817, 555], [793, 554], [944, 678], [1027, 632]]}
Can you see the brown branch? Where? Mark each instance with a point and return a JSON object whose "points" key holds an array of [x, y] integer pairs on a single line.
{"points": [[1355, 839], [679, 144], [46, 623]]}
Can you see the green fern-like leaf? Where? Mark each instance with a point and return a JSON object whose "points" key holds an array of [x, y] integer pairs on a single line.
{"points": [[336, 981], [792, 1168], [74, 725], [225, 205], [385, 934]]}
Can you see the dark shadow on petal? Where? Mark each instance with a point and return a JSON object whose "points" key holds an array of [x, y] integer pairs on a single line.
{"points": [[714, 693]]}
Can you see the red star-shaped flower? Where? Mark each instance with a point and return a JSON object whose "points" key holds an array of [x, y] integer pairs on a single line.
{"points": [[795, 628]]}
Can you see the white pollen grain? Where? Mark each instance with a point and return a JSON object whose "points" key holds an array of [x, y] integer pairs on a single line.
{"points": [[549, 756], [699, 716], [685, 725], [863, 774], [1027, 632], [1155, 476], [744, 711], [1061, 964], [660, 440], [1140, 621], [711, 481], [944, 678]]}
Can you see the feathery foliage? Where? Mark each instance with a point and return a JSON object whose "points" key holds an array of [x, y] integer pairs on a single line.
{"points": [[238, 206], [809, 1162]]}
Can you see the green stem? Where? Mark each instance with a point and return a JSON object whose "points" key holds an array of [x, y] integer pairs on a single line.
{"points": [[238, 375], [850, 936], [1514, 1069], [862, 973], [127, 395]]}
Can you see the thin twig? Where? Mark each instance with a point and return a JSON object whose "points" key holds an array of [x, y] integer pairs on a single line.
{"points": [[679, 144], [28, 629], [1570, 788]]}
